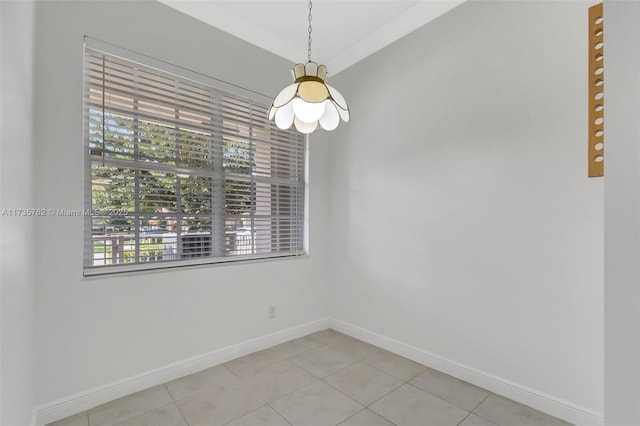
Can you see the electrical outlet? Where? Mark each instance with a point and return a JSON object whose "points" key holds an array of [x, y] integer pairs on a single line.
{"points": [[272, 312]]}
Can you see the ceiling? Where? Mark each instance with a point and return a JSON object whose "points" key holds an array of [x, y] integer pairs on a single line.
{"points": [[344, 32]]}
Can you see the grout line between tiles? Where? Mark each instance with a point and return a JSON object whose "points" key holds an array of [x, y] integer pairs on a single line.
{"points": [[383, 372], [338, 390], [483, 400], [282, 357], [294, 391], [451, 402], [440, 398], [392, 390], [484, 418], [245, 414], [465, 418], [354, 414], [186, 422], [476, 414], [365, 408], [169, 391], [245, 382], [281, 415], [233, 373], [298, 353], [386, 372], [182, 414], [147, 412], [337, 371]]}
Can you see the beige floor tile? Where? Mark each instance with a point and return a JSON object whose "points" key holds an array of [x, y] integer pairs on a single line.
{"points": [[326, 336], [129, 406], [219, 406], [363, 383], [279, 379], [352, 374], [397, 366], [297, 346], [463, 394], [167, 415], [322, 361], [263, 416], [473, 420], [249, 364], [354, 348], [366, 418], [81, 419], [506, 412], [316, 404], [410, 406], [211, 378]]}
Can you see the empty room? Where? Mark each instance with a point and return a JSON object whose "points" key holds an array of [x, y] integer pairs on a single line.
{"points": [[320, 213]]}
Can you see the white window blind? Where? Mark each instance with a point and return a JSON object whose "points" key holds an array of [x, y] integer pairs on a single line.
{"points": [[181, 172]]}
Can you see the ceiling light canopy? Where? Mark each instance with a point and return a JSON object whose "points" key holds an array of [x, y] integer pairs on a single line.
{"points": [[309, 102]]}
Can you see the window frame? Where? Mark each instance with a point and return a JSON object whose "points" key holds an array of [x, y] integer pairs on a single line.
{"points": [[221, 88]]}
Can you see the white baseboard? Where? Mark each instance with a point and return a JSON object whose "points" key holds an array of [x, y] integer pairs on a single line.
{"points": [[549, 404], [83, 401]]}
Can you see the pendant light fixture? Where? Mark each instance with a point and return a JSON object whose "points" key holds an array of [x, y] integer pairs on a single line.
{"points": [[309, 102]]}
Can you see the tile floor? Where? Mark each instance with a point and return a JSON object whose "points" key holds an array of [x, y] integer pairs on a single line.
{"points": [[325, 378]]}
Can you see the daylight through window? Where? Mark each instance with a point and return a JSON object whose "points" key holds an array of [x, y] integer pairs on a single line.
{"points": [[182, 172]]}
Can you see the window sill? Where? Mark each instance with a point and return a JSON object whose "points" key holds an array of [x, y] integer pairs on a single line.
{"points": [[100, 273]]}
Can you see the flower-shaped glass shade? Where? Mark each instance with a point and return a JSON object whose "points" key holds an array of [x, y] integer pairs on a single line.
{"points": [[309, 102]]}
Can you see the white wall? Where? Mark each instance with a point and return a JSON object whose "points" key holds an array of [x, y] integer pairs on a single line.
{"points": [[622, 213], [463, 221], [92, 332], [464, 226], [16, 253]]}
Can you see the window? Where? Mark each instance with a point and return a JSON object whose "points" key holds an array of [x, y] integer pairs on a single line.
{"points": [[183, 169]]}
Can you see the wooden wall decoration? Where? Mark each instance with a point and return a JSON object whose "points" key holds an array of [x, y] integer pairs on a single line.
{"points": [[596, 91]]}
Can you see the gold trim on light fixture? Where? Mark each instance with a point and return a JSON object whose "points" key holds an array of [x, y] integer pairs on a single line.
{"points": [[309, 78]]}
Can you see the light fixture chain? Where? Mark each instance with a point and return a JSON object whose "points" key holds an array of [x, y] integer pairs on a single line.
{"points": [[309, 41]]}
